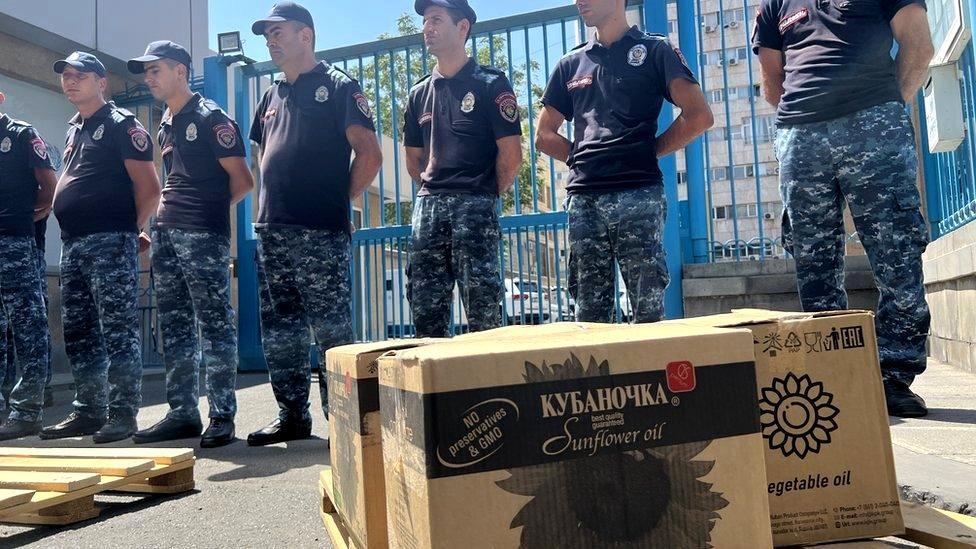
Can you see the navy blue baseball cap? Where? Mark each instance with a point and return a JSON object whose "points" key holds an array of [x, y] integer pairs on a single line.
{"points": [[284, 11], [161, 49], [460, 5], [82, 61]]}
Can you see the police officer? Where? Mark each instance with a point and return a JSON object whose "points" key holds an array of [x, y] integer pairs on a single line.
{"points": [[307, 126], [463, 143], [203, 153], [27, 184], [844, 134], [612, 88], [108, 190]]}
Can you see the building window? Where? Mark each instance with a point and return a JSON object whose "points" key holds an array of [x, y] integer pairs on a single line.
{"points": [[682, 178], [672, 27], [719, 174], [720, 212], [765, 129], [742, 172]]}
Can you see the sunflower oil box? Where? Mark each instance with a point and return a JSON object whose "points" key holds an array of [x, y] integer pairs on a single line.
{"points": [[829, 463], [640, 437], [354, 435]]}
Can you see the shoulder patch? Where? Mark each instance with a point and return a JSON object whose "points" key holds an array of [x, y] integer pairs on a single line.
{"points": [[140, 138], [39, 147], [508, 106], [226, 135], [363, 104]]}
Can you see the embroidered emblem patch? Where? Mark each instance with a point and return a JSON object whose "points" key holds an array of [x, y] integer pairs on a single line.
{"points": [[637, 55], [508, 107]]}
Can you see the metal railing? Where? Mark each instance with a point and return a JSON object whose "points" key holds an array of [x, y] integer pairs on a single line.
{"points": [[534, 241], [950, 178]]}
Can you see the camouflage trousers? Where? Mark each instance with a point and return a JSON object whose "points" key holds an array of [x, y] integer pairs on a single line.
{"points": [[8, 377], [303, 279], [191, 270], [626, 227], [100, 312], [868, 160], [454, 239], [22, 310]]}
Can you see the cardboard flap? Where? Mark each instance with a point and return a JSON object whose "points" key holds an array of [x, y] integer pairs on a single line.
{"points": [[752, 317]]}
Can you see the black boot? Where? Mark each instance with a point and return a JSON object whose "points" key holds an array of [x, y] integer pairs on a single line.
{"points": [[75, 425], [15, 428], [118, 427], [48, 397], [902, 402], [220, 433], [280, 431], [169, 429]]}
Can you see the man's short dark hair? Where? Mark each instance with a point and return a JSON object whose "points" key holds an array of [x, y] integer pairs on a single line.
{"points": [[456, 16], [299, 26], [173, 64]]}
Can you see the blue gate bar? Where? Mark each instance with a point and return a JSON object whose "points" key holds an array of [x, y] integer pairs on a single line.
{"points": [[656, 20]]}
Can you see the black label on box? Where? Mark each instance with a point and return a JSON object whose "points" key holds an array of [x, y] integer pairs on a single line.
{"points": [[350, 399], [551, 418]]}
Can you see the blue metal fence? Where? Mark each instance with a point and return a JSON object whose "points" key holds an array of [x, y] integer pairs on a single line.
{"points": [[950, 178], [533, 248], [724, 203]]}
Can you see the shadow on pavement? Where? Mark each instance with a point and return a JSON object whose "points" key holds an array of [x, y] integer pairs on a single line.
{"points": [[111, 504], [941, 415]]}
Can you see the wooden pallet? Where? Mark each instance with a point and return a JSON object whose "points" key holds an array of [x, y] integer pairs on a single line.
{"points": [[57, 486], [330, 517], [937, 528]]}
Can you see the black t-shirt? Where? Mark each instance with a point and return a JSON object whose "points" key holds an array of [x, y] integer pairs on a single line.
{"points": [[457, 121], [301, 129], [837, 54], [197, 190], [21, 151], [613, 96], [95, 193]]}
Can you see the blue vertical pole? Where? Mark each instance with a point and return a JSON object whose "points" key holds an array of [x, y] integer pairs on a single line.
{"points": [[656, 20], [215, 87], [694, 153]]}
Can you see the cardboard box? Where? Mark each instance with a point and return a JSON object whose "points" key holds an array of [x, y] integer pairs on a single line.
{"points": [[825, 424], [355, 438], [538, 330], [639, 437]]}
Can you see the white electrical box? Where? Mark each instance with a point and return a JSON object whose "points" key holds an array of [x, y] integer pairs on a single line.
{"points": [[943, 109]]}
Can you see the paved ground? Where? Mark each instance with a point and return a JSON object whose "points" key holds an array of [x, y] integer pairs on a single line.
{"points": [[267, 497], [936, 456], [246, 497]]}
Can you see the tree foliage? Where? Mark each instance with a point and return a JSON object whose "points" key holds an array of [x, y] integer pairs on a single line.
{"points": [[387, 77]]}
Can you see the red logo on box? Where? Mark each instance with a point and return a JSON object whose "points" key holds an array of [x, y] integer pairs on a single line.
{"points": [[681, 377]]}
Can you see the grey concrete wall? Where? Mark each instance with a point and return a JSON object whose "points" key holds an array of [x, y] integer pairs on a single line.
{"points": [[720, 287], [950, 286]]}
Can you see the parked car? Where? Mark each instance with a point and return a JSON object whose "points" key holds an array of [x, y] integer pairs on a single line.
{"points": [[399, 319], [524, 303], [562, 304]]}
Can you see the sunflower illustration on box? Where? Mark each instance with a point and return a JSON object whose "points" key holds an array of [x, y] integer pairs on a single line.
{"points": [[797, 415], [650, 497]]}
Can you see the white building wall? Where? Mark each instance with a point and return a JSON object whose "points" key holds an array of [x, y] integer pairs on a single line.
{"points": [[120, 28]]}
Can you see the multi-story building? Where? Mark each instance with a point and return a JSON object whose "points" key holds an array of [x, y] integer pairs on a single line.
{"points": [[741, 172]]}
